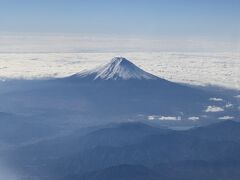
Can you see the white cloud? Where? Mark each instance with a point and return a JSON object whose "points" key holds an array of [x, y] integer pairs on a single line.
{"points": [[193, 118], [164, 118], [226, 118], [216, 99], [214, 109], [151, 118], [217, 69], [229, 105], [169, 118]]}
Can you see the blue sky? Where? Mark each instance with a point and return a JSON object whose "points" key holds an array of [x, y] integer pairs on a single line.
{"points": [[216, 20]]}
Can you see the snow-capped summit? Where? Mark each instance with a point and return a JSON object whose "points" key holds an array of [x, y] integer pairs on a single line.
{"points": [[117, 68]]}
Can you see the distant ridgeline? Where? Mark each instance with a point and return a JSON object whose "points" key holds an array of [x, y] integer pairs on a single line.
{"points": [[128, 151]]}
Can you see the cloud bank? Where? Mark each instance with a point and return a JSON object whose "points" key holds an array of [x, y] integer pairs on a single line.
{"points": [[36, 43], [221, 69]]}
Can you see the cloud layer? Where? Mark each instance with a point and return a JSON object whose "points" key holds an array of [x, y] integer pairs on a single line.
{"points": [[55, 43], [220, 69]]}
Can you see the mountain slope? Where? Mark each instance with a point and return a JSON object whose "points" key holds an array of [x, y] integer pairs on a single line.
{"points": [[117, 92], [172, 147], [120, 135], [222, 131], [134, 144], [121, 172], [118, 69], [195, 170]]}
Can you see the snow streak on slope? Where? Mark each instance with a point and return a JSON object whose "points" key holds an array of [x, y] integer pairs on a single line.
{"points": [[118, 68]]}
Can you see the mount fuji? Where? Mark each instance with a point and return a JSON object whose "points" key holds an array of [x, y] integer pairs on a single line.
{"points": [[118, 69], [115, 92]]}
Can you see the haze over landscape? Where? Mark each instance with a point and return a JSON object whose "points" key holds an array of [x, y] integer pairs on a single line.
{"points": [[123, 90]]}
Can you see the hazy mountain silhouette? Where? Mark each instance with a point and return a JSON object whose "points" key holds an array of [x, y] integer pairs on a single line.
{"points": [[154, 151]]}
